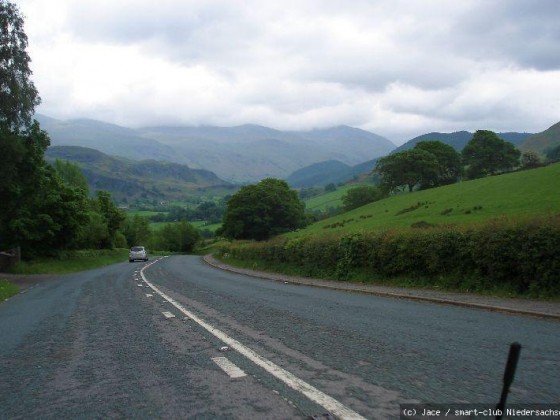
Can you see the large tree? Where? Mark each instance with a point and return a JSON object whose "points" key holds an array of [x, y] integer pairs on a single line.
{"points": [[261, 210], [360, 196], [449, 163], [487, 154], [409, 169], [18, 95]]}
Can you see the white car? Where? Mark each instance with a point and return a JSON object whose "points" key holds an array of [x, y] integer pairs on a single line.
{"points": [[138, 253]]}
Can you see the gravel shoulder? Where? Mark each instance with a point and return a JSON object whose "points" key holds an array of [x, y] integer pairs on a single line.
{"points": [[537, 308]]}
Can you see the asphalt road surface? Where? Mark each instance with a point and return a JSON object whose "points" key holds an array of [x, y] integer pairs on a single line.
{"points": [[175, 338]]}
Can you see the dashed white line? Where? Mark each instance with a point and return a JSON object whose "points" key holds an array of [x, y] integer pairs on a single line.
{"points": [[315, 395], [229, 367], [149, 295], [168, 314]]}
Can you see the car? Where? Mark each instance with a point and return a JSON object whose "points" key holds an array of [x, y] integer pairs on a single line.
{"points": [[138, 253]]}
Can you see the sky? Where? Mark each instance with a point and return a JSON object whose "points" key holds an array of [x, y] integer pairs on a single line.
{"points": [[398, 68]]}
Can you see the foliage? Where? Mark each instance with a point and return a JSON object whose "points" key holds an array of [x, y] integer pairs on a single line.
{"points": [[517, 256], [407, 169], [487, 154], [71, 174], [18, 95], [554, 154], [72, 261], [262, 210], [7, 290], [112, 216], [176, 237], [360, 196], [137, 230], [448, 161], [330, 187]]}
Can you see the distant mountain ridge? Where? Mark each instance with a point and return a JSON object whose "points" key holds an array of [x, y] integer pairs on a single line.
{"points": [[243, 153], [128, 180]]}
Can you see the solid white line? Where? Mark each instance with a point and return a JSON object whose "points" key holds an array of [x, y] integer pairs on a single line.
{"points": [[168, 314], [229, 367], [333, 406]]}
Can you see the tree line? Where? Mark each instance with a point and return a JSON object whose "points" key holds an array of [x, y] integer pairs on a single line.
{"points": [[47, 208]]}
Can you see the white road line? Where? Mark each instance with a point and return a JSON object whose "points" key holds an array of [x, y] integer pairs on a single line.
{"points": [[168, 314], [229, 367], [149, 295], [333, 406]]}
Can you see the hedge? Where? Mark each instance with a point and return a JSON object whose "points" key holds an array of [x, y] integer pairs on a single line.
{"points": [[519, 256]]}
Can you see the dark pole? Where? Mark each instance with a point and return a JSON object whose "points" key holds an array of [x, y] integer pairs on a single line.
{"points": [[509, 374]]}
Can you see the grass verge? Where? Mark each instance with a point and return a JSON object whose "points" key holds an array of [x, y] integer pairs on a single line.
{"points": [[439, 283], [7, 290], [72, 261]]}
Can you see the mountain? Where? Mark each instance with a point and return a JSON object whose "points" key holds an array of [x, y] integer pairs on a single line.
{"points": [[543, 142], [128, 180], [458, 140], [320, 174], [107, 138], [245, 153], [332, 171]]}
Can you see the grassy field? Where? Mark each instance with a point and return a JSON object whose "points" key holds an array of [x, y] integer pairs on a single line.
{"points": [[329, 200], [518, 195], [72, 262], [144, 213], [7, 290]]}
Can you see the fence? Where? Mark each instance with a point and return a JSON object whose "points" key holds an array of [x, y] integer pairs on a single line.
{"points": [[9, 258]]}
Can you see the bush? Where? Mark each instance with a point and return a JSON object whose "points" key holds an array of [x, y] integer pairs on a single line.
{"points": [[521, 257]]}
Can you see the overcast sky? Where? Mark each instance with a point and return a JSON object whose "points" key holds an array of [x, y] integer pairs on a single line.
{"points": [[399, 68]]}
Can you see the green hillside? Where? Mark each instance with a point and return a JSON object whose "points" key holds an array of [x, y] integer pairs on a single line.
{"points": [[516, 195], [328, 200], [543, 142], [147, 180]]}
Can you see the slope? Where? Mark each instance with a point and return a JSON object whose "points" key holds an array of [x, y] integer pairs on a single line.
{"points": [[543, 142], [515, 195], [131, 180]]}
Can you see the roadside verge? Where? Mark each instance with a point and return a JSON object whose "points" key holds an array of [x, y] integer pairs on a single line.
{"points": [[536, 308]]}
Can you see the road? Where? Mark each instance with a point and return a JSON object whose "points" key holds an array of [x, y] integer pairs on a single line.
{"points": [[100, 344]]}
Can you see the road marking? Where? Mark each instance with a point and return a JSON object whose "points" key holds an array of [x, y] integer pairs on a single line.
{"points": [[319, 397], [228, 367], [168, 314], [149, 295]]}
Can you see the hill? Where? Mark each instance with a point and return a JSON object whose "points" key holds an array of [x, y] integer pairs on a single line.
{"points": [[514, 195], [244, 153], [543, 142], [128, 180], [458, 140], [324, 173]]}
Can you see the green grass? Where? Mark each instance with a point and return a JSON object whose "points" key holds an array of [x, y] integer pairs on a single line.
{"points": [[72, 262], [144, 213], [518, 195], [7, 290], [329, 200]]}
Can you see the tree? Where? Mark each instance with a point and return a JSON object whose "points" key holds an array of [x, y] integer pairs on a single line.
{"points": [[262, 210], [407, 169], [530, 160], [177, 237], [18, 95], [330, 187], [360, 196], [487, 154], [71, 174], [113, 216], [553, 154], [448, 160]]}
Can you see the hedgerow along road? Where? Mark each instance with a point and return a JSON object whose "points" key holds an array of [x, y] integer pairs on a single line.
{"points": [[177, 338]]}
